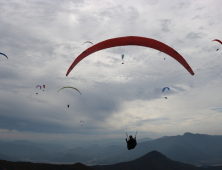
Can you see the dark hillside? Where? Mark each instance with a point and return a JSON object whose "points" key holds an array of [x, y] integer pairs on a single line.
{"points": [[151, 161], [7, 165]]}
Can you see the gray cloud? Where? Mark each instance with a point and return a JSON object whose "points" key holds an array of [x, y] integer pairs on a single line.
{"points": [[42, 39]]}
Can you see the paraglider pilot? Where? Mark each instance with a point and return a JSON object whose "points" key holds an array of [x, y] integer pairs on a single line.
{"points": [[131, 143]]}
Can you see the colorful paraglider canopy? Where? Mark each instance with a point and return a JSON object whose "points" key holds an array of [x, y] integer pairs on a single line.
{"points": [[69, 87], [217, 40], [4, 55], [165, 88], [39, 86], [132, 40], [88, 42]]}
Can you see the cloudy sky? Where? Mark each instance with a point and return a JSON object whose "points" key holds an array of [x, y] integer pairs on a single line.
{"points": [[42, 39]]}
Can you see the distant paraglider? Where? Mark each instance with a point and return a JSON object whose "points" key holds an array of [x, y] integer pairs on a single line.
{"points": [[71, 88], [43, 87], [81, 122], [122, 58], [164, 90], [217, 41], [4, 55]]}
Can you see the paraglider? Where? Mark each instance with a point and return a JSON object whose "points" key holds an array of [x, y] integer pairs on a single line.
{"points": [[88, 42], [132, 40], [43, 87], [4, 55], [164, 90], [81, 121], [122, 58], [69, 87], [68, 105], [217, 41], [37, 93], [131, 142]]}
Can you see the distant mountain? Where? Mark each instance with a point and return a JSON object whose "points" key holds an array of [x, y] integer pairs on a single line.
{"points": [[196, 149], [151, 161], [144, 140]]}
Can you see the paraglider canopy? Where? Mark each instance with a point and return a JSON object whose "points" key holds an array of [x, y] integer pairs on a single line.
{"points": [[4, 55], [88, 42], [165, 89], [69, 87], [39, 86], [217, 40], [132, 40]]}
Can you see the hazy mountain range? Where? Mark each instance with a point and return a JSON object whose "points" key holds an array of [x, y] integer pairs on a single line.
{"points": [[196, 149], [150, 161]]}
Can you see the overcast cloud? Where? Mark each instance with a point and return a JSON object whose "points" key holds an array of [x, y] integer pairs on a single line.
{"points": [[42, 39]]}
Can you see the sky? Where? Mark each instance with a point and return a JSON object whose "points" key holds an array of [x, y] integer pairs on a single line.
{"points": [[42, 39]]}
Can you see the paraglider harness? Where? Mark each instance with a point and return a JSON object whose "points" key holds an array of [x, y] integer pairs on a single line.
{"points": [[131, 143]]}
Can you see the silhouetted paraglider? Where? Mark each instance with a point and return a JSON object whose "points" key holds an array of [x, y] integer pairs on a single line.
{"points": [[68, 105], [131, 142]]}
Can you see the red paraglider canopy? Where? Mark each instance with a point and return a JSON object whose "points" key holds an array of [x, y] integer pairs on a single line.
{"points": [[132, 40], [217, 40]]}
